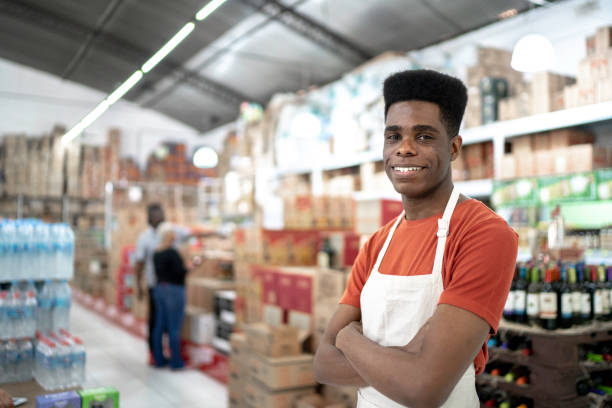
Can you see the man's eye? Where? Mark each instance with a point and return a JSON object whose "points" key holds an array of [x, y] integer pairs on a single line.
{"points": [[392, 136], [424, 136]]}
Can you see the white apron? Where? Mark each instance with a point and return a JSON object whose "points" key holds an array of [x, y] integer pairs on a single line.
{"points": [[394, 308]]}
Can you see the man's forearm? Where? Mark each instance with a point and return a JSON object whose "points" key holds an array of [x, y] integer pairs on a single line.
{"points": [[332, 367], [387, 369]]}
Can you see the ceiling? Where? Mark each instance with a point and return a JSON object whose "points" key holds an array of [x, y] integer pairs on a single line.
{"points": [[247, 50]]}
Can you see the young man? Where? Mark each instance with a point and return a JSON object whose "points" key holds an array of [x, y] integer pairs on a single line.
{"points": [[428, 288]]}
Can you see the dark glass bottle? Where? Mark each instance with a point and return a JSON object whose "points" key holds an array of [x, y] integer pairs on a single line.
{"points": [[576, 295], [609, 288], [586, 302], [598, 301], [533, 298], [605, 292], [509, 305], [520, 296], [548, 303], [566, 310]]}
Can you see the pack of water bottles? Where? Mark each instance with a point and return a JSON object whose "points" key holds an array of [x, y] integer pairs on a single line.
{"points": [[16, 360], [33, 249], [59, 360], [24, 309]]}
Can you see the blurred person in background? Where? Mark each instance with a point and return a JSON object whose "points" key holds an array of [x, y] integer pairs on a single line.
{"points": [[169, 295], [145, 248]]}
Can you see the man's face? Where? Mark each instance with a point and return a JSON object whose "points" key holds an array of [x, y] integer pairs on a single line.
{"points": [[156, 217], [417, 150]]}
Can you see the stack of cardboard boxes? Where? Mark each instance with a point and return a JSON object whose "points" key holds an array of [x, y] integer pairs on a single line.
{"points": [[474, 162], [594, 81], [492, 63], [318, 212], [561, 151], [174, 167], [268, 368]]}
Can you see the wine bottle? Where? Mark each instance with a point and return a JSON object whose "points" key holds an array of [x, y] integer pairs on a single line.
{"points": [[548, 304], [609, 288], [326, 255], [509, 305], [598, 294], [520, 297], [566, 310], [576, 296], [586, 302], [605, 292], [533, 298]]}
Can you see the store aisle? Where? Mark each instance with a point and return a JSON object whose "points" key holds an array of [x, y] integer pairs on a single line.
{"points": [[117, 358]]}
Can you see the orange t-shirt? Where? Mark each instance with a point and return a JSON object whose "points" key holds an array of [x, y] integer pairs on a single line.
{"points": [[478, 266]]}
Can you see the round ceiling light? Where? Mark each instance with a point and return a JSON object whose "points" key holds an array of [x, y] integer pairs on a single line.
{"points": [[205, 157], [533, 53]]}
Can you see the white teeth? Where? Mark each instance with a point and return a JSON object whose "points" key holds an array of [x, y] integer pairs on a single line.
{"points": [[407, 169]]}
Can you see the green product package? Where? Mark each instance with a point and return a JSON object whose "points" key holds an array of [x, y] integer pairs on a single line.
{"points": [[103, 397], [604, 184], [572, 187]]}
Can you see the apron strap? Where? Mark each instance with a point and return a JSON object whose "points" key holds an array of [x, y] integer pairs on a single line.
{"points": [[443, 229], [382, 252]]}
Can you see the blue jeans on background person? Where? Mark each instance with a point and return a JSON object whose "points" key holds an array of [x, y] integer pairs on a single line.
{"points": [[170, 310]]}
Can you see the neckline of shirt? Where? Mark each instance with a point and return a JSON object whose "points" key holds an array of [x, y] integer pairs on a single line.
{"points": [[433, 220]]}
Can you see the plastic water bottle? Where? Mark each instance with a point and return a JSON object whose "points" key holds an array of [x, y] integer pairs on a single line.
{"points": [[3, 376], [26, 360], [41, 249], [30, 308], [4, 249], [66, 257], [78, 359], [11, 360], [4, 315], [63, 356], [16, 311], [61, 311], [9, 233], [25, 237], [44, 313]]}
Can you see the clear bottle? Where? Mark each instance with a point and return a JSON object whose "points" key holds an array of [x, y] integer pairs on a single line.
{"points": [[41, 249], [44, 313], [9, 232], [4, 315], [16, 311], [61, 311], [11, 360], [30, 308], [3, 373], [26, 360], [79, 360], [4, 246], [66, 253]]}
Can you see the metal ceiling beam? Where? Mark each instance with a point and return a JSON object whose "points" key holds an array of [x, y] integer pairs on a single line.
{"points": [[310, 29], [131, 53], [81, 54]]}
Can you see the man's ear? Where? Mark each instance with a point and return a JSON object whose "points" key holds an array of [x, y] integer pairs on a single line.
{"points": [[455, 145]]}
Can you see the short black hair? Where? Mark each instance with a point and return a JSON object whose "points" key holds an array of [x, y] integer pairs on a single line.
{"points": [[449, 93], [154, 207]]}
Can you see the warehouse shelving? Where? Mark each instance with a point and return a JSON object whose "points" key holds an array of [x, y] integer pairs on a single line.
{"points": [[497, 132]]}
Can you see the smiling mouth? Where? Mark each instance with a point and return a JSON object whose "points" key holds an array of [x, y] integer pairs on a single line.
{"points": [[406, 171]]}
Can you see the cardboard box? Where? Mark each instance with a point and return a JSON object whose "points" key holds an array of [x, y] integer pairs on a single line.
{"points": [[329, 285], [543, 86], [587, 157], [258, 396], [239, 344], [281, 373], [198, 326], [347, 395], [522, 144], [541, 141], [323, 312], [544, 163], [201, 292], [508, 167], [68, 399], [524, 164], [105, 396], [603, 39], [569, 137], [276, 247], [373, 214], [280, 341], [317, 401], [235, 391]]}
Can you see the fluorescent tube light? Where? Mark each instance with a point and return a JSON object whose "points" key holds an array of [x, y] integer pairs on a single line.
{"points": [[208, 9], [168, 47], [124, 87], [85, 122]]}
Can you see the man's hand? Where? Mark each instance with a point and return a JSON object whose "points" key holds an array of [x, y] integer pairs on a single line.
{"points": [[345, 334], [5, 400]]}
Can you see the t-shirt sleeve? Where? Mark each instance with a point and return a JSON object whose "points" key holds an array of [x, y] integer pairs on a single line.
{"points": [[359, 275], [482, 271], [141, 251]]}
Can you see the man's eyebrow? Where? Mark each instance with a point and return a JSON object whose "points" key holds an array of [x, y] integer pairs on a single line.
{"points": [[393, 128], [424, 128]]}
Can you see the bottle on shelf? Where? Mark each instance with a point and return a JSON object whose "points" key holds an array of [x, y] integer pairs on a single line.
{"points": [[576, 296], [61, 310], [604, 289], [566, 307], [44, 314], [30, 307], [4, 314], [520, 296], [548, 304], [326, 255], [586, 303], [598, 296], [16, 312], [508, 312], [533, 298]]}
